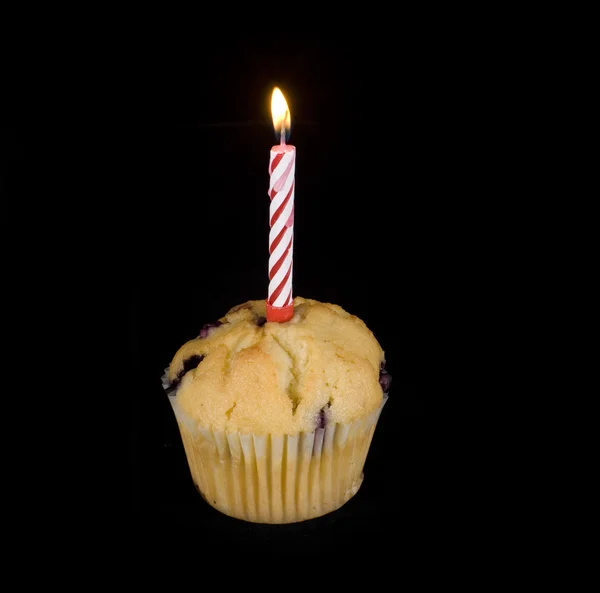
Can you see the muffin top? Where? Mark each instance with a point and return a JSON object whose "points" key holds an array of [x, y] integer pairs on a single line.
{"points": [[245, 374]]}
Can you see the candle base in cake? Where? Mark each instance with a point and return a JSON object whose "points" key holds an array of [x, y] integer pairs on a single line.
{"points": [[280, 314]]}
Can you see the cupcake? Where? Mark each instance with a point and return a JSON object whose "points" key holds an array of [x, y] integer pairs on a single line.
{"points": [[277, 419]]}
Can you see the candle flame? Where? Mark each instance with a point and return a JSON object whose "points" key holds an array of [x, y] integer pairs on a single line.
{"points": [[280, 111]]}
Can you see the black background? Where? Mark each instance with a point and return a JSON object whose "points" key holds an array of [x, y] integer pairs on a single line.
{"points": [[173, 162]]}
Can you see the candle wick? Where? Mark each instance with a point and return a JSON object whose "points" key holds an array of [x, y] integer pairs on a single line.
{"points": [[283, 128]]}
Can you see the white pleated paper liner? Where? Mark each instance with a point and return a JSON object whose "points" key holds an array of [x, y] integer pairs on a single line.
{"points": [[277, 479]]}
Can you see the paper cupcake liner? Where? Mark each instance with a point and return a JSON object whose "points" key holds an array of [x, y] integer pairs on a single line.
{"points": [[272, 478]]}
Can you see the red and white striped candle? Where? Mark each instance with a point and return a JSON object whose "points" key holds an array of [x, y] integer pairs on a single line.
{"points": [[280, 305]]}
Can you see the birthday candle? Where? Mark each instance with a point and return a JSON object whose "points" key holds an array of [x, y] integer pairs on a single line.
{"points": [[282, 164]]}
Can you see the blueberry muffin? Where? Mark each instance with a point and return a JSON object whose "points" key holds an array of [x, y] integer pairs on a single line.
{"points": [[277, 418]]}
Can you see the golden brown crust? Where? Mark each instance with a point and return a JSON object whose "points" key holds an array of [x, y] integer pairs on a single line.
{"points": [[277, 377]]}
